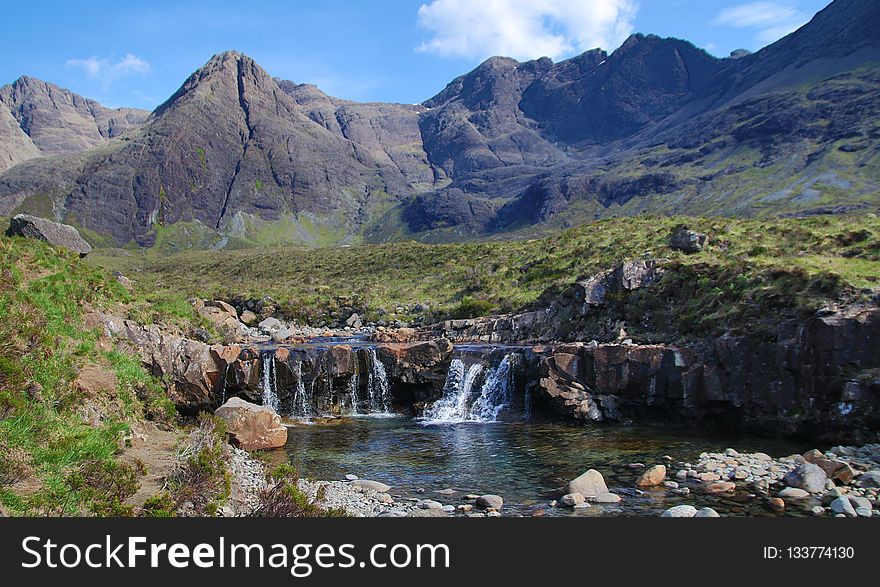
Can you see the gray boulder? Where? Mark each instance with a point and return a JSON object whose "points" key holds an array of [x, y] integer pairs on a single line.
{"points": [[686, 240], [842, 505], [54, 233], [590, 484], [374, 485], [707, 513], [808, 477], [869, 479], [490, 501]]}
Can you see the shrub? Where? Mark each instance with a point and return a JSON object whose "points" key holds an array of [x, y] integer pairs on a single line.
{"points": [[282, 498]]}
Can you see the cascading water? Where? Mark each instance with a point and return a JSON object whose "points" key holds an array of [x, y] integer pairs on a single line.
{"points": [[301, 400], [377, 386], [270, 396], [472, 394], [353, 386]]}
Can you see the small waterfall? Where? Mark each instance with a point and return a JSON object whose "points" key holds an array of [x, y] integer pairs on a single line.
{"points": [[377, 385], [353, 385], [267, 381], [496, 393], [458, 392], [301, 400]]}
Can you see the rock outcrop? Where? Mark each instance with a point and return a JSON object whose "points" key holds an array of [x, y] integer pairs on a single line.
{"points": [[54, 233]]}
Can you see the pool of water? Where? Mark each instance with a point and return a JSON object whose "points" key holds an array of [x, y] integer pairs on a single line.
{"points": [[527, 463]]}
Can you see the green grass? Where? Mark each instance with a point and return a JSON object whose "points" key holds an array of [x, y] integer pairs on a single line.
{"points": [[769, 268], [43, 344]]}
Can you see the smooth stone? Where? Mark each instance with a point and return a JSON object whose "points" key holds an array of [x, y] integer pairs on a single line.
{"points": [[582, 506], [652, 477], [448, 509], [589, 484], [808, 477], [707, 513], [490, 501], [493, 514], [817, 510], [680, 511], [465, 507], [842, 505], [793, 493], [447, 491], [351, 477], [720, 487], [708, 476], [374, 485], [606, 498], [860, 502], [430, 504], [777, 503]]}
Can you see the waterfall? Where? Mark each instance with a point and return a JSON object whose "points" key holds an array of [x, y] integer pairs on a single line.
{"points": [[301, 400], [223, 388], [457, 393], [496, 393], [353, 385], [267, 381], [377, 385]]}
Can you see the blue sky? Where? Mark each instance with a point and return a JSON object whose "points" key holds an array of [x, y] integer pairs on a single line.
{"points": [[138, 53]]}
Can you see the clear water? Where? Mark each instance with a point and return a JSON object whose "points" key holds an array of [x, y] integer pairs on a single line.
{"points": [[527, 463]]}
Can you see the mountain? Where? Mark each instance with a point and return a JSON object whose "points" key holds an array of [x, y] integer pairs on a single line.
{"points": [[236, 157], [39, 118]]}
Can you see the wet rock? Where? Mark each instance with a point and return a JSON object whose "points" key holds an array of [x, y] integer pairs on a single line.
{"points": [[589, 484], [374, 485], [54, 233], [720, 487], [252, 427], [808, 477], [490, 501], [776, 503], [680, 511], [652, 477], [430, 504]]}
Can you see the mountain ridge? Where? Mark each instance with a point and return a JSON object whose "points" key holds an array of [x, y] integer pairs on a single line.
{"points": [[237, 157]]}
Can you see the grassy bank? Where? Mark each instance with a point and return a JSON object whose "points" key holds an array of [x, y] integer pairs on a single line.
{"points": [[751, 269]]}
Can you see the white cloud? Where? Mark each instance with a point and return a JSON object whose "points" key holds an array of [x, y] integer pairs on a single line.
{"points": [[769, 20], [524, 29], [106, 71]]}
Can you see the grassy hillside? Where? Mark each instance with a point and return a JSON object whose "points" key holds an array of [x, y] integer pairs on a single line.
{"points": [[66, 406], [752, 268]]}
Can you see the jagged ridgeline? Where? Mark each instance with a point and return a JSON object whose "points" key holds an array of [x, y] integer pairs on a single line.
{"points": [[236, 157]]}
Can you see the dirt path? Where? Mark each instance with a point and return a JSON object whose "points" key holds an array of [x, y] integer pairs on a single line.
{"points": [[157, 450]]}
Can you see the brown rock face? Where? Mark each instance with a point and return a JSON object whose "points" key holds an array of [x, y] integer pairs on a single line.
{"points": [[252, 427]]}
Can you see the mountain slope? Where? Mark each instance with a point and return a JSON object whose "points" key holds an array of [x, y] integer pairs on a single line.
{"points": [[40, 118], [237, 157]]}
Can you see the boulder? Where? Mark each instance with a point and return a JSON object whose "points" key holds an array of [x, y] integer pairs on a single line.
{"points": [[252, 427], [842, 505], [490, 501], [354, 321], [270, 325], [680, 511], [248, 317], [652, 477], [54, 233], [808, 477], [589, 484], [687, 241], [374, 485]]}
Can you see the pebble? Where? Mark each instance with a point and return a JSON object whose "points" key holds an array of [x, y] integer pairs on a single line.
{"points": [[351, 477], [817, 510]]}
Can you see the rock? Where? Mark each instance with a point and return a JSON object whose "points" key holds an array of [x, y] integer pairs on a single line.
{"points": [[374, 485], [54, 233], [707, 513], [384, 498], [606, 498], [449, 509], [834, 468], [493, 514], [720, 487], [252, 427], [842, 505], [582, 506], [808, 477], [708, 476], [652, 477], [812, 455], [465, 507], [687, 241], [248, 318], [817, 510], [860, 503], [794, 493], [681, 475], [680, 511], [589, 484], [270, 325], [490, 501], [776, 503], [447, 491], [572, 499], [430, 504], [869, 479], [351, 477]]}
